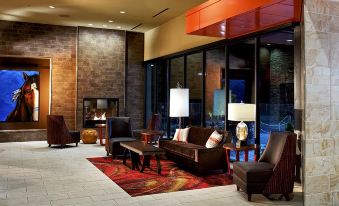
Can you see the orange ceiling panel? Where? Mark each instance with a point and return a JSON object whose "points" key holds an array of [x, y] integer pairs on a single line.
{"points": [[234, 18]]}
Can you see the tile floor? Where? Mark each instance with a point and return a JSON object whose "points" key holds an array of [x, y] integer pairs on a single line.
{"points": [[33, 174]]}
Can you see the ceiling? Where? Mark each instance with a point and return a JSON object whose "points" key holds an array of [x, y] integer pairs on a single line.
{"points": [[96, 13]]}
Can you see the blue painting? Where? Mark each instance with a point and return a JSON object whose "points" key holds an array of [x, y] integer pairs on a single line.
{"points": [[19, 96]]}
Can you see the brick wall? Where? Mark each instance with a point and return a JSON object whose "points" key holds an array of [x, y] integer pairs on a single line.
{"points": [[39, 40], [135, 79], [101, 67]]}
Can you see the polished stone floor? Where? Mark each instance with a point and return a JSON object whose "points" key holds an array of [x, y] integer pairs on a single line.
{"points": [[33, 174]]}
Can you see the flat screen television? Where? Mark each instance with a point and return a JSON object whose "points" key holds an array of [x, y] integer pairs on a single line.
{"points": [[19, 95]]}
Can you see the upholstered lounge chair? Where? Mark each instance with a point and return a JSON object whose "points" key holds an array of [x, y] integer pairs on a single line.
{"points": [[118, 129], [274, 172], [58, 133]]}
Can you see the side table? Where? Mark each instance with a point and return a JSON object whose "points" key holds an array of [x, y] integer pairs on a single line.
{"points": [[149, 136], [232, 147], [100, 127]]}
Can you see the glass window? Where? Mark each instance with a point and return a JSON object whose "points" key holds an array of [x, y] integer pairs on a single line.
{"points": [[177, 69], [276, 83], [241, 84], [194, 81], [215, 88]]}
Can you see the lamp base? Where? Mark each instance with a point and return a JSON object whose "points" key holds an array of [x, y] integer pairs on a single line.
{"points": [[240, 143]]}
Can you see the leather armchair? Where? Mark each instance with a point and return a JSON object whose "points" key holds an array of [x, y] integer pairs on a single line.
{"points": [[58, 133], [118, 129], [274, 172]]}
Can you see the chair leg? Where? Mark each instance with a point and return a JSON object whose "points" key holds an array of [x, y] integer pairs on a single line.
{"points": [[107, 153], [62, 146], [76, 144], [249, 197], [287, 197], [237, 188], [49, 145]]}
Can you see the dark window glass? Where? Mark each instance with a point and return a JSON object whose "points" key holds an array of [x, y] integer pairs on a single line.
{"points": [[194, 81], [215, 88]]}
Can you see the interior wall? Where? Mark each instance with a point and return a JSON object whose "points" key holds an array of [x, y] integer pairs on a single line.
{"points": [[171, 37], [101, 67], [135, 90], [321, 50], [55, 42]]}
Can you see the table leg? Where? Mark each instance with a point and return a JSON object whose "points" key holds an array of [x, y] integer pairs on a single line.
{"points": [[124, 159], [158, 163], [135, 160], [246, 155], [228, 160], [237, 155], [100, 135], [145, 162]]}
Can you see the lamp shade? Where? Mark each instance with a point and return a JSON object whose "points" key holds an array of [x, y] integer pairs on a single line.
{"points": [[101, 103], [179, 102], [241, 112]]}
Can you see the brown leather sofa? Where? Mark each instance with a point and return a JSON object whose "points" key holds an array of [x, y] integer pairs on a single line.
{"points": [[274, 172], [58, 133], [193, 155]]}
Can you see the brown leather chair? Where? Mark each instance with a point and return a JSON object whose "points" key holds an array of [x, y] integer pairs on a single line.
{"points": [[118, 129], [58, 133], [153, 124], [274, 172]]}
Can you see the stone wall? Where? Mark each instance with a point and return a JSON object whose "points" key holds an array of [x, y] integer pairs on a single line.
{"points": [[321, 48], [39, 40], [135, 91], [101, 67]]}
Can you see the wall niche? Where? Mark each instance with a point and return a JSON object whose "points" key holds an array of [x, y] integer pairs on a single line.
{"points": [[25, 93]]}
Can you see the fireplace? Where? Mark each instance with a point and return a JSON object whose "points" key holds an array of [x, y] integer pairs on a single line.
{"points": [[95, 110]]}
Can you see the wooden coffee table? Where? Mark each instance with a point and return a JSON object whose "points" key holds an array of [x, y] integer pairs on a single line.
{"points": [[140, 148]]}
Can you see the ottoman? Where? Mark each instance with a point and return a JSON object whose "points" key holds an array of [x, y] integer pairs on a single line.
{"points": [[89, 136]]}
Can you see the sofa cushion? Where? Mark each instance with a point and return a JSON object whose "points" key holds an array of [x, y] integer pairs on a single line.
{"points": [[199, 135], [253, 172], [214, 140], [181, 148], [181, 135]]}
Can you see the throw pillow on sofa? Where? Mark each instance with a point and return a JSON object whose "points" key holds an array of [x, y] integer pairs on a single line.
{"points": [[214, 140], [181, 135]]}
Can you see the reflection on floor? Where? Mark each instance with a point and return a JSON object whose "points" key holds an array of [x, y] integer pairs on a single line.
{"points": [[33, 174]]}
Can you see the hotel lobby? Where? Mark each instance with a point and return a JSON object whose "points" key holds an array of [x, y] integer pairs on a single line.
{"points": [[168, 102]]}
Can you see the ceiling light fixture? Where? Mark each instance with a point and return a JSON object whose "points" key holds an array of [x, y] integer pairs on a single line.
{"points": [[52, 7], [90, 24], [110, 21], [268, 44], [122, 12], [118, 27], [289, 40], [104, 25]]}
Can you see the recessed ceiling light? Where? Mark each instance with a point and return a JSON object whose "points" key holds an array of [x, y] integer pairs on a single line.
{"points": [[104, 25], [90, 24], [289, 40], [52, 7], [110, 21], [268, 44], [118, 27], [122, 12]]}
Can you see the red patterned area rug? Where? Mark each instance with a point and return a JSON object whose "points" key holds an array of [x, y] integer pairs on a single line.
{"points": [[149, 182]]}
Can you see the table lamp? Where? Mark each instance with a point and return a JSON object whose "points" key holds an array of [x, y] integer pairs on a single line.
{"points": [[179, 103], [241, 112]]}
